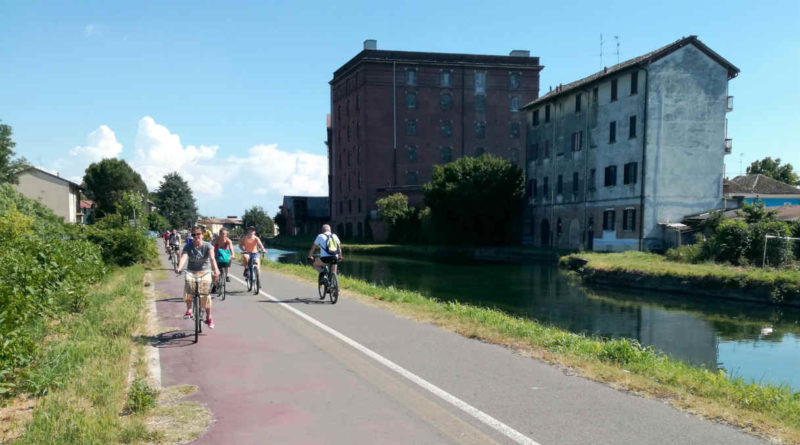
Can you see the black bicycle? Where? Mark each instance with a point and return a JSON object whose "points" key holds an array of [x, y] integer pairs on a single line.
{"points": [[221, 291], [253, 274], [329, 282], [173, 256], [198, 312]]}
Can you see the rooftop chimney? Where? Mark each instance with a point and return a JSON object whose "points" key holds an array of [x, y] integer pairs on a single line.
{"points": [[370, 44], [520, 53]]}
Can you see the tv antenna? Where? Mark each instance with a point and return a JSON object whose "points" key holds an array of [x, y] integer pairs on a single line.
{"points": [[741, 163], [616, 38], [601, 51]]}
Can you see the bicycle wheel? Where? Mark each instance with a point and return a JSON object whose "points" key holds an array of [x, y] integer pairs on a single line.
{"points": [[221, 286], [196, 316], [258, 280], [334, 290], [249, 280]]}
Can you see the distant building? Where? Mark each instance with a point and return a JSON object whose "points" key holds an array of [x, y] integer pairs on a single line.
{"points": [[59, 194], [216, 224], [760, 188], [87, 211], [613, 157], [396, 114], [305, 214]]}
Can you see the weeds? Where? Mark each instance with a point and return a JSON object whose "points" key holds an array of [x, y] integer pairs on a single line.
{"points": [[141, 398]]}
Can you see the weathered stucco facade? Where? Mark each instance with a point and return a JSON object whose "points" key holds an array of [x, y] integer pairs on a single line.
{"points": [[614, 156], [57, 193]]}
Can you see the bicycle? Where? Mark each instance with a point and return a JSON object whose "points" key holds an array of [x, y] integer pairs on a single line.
{"points": [[197, 311], [253, 279], [173, 256], [330, 282], [221, 289]]}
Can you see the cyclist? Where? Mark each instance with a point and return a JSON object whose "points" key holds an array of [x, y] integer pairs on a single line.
{"points": [[224, 243], [199, 257], [250, 245], [326, 242], [207, 235], [174, 241], [166, 240]]}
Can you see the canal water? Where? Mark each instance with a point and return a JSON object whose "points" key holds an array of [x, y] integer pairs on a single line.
{"points": [[758, 343]]}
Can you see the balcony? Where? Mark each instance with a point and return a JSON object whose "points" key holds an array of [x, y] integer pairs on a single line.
{"points": [[728, 146], [729, 104]]}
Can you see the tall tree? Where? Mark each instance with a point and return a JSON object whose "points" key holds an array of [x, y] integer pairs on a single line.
{"points": [[175, 201], [280, 221], [107, 181], [10, 169], [773, 168], [475, 200], [258, 218]]}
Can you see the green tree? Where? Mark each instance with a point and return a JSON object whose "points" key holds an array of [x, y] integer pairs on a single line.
{"points": [[155, 221], [258, 218], [280, 221], [405, 223], [10, 169], [773, 168], [106, 182], [392, 207], [175, 201], [757, 213], [130, 204], [475, 200]]}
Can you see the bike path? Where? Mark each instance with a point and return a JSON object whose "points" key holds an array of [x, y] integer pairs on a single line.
{"points": [[270, 376]]}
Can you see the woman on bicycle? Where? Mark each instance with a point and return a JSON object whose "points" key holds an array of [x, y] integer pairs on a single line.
{"points": [[226, 245], [250, 245], [199, 259]]}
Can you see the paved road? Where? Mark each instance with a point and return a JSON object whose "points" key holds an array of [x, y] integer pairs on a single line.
{"points": [[284, 368]]}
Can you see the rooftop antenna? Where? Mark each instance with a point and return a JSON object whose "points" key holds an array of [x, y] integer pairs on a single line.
{"points": [[601, 51], [741, 163], [617, 40]]}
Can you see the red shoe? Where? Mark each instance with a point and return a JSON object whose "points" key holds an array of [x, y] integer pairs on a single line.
{"points": [[210, 323], [188, 314]]}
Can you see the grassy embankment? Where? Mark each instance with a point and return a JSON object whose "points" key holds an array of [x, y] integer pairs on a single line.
{"points": [[633, 269], [492, 253], [770, 411]]}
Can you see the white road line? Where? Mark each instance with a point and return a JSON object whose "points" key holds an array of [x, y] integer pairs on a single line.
{"points": [[497, 425]]}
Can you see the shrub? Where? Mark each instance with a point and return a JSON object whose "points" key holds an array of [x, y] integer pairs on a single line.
{"points": [[731, 242], [692, 253], [779, 251], [141, 397]]}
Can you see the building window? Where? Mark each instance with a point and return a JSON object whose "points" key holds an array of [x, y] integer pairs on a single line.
{"points": [[411, 178], [575, 180], [513, 129], [411, 100], [629, 173], [545, 187], [547, 113], [629, 219], [444, 78], [341, 207], [358, 102], [632, 127], [595, 95], [514, 155], [412, 153], [577, 141], [558, 227], [592, 179], [613, 90], [480, 102], [533, 151], [612, 132], [479, 151], [535, 118], [513, 81], [350, 206], [359, 205], [547, 148], [480, 129], [358, 129], [447, 154], [359, 180], [480, 82], [446, 128], [611, 176], [446, 101], [577, 103], [634, 82], [348, 132], [560, 185], [534, 187], [514, 104], [411, 127], [609, 217], [411, 77]]}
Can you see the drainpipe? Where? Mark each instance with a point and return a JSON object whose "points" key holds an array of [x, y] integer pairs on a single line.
{"points": [[394, 124], [644, 158]]}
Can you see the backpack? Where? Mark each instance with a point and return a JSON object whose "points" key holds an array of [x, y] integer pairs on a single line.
{"points": [[331, 246]]}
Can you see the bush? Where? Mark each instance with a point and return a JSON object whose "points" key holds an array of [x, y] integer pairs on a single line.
{"points": [[120, 243], [779, 251], [692, 253], [730, 243], [141, 397]]}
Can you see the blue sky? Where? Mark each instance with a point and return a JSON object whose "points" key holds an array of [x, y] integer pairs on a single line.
{"points": [[234, 94]]}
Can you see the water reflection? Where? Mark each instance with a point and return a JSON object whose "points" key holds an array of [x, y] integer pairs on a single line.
{"points": [[756, 342]]}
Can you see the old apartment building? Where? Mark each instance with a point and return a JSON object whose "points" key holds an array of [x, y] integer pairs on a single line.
{"points": [[612, 158], [396, 114]]}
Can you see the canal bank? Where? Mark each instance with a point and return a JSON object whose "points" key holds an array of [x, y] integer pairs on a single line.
{"points": [[640, 270], [771, 411]]}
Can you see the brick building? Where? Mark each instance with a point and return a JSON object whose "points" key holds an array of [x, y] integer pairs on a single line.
{"points": [[396, 114], [614, 158]]}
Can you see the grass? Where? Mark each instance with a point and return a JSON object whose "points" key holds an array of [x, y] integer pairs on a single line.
{"points": [[768, 410], [783, 284]]}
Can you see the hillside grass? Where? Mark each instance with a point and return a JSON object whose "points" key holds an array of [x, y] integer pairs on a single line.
{"points": [[769, 410]]}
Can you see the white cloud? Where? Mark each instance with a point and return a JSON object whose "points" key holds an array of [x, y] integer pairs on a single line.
{"points": [[90, 30], [101, 143]]}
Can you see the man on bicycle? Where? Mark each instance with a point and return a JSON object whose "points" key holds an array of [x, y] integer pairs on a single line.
{"points": [[174, 241], [250, 245], [330, 249], [199, 255]]}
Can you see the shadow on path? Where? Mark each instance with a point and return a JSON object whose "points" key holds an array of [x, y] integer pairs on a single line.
{"points": [[177, 338], [298, 301]]}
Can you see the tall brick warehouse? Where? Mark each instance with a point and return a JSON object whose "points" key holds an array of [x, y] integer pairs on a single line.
{"points": [[396, 114]]}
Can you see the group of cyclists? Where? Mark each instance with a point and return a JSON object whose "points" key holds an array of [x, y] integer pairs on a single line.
{"points": [[203, 252]]}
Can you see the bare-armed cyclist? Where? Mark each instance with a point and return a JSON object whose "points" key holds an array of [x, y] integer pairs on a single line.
{"points": [[250, 245], [199, 255]]}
